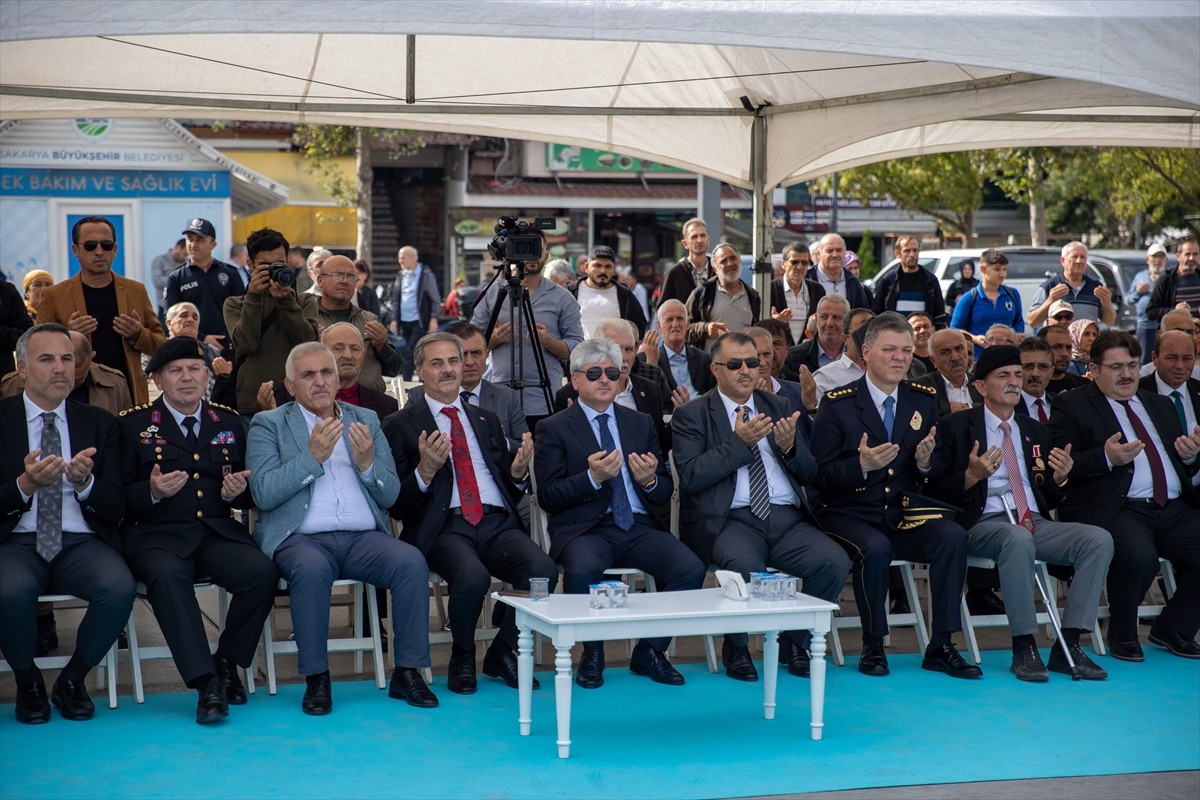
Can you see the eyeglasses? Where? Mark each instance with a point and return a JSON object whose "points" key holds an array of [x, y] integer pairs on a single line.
{"points": [[593, 373], [106, 245], [795, 262], [735, 364], [341, 277], [1124, 366], [1064, 317]]}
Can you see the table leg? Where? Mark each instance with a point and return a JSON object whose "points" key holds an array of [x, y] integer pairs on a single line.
{"points": [[770, 672], [816, 678], [525, 679], [562, 697]]}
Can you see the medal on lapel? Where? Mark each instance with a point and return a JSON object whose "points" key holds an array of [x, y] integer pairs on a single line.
{"points": [[915, 422]]}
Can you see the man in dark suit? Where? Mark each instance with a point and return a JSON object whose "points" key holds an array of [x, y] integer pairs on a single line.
{"points": [[743, 461], [874, 440], [794, 297], [683, 366], [349, 349], [184, 469], [604, 483], [950, 380], [633, 391], [1133, 475], [826, 347], [1037, 365], [1174, 361], [60, 504], [459, 489], [987, 466]]}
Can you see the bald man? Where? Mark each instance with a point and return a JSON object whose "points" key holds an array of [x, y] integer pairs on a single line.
{"points": [[337, 282]]}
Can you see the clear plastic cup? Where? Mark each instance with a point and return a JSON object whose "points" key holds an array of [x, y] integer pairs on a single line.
{"points": [[539, 588], [618, 595], [599, 596]]}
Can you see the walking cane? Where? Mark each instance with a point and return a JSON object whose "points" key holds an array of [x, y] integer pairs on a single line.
{"points": [[1009, 508]]}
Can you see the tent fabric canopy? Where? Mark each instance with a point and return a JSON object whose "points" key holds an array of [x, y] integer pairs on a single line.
{"points": [[839, 82]]}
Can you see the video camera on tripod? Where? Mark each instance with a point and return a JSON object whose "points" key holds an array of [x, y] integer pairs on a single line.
{"points": [[515, 243]]}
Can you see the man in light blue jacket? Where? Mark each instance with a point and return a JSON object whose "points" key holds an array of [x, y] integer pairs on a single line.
{"points": [[322, 476]]}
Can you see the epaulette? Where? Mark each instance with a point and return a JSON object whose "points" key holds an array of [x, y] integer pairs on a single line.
{"points": [[922, 387], [223, 408], [845, 391], [142, 407]]}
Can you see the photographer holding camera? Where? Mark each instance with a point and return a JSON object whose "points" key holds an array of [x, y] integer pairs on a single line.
{"points": [[269, 320]]}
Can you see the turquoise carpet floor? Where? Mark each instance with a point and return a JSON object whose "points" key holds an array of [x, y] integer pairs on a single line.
{"points": [[631, 738]]}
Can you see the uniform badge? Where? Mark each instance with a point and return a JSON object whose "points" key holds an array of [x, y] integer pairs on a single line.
{"points": [[223, 279], [1028, 523], [213, 415], [226, 469], [915, 422], [155, 417], [1039, 465], [1039, 479], [1037, 451]]}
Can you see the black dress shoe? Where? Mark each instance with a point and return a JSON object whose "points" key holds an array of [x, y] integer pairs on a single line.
{"points": [[1088, 669], [1127, 651], [212, 705], [944, 658], [231, 684], [873, 660], [500, 662], [47, 635], [1179, 645], [795, 657], [460, 675], [737, 662], [645, 660], [408, 685], [32, 706], [318, 695], [590, 674], [1027, 665], [984, 602], [71, 699]]}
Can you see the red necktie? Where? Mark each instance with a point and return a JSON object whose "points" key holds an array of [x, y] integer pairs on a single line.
{"points": [[464, 473], [1042, 418], [1015, 484], [1158, 475]]}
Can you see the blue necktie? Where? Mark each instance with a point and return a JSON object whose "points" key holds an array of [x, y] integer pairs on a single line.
{"points": [[1178, 398], [621, 510], [889, 416]]}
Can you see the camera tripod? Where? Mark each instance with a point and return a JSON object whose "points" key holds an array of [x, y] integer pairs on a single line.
{"points": [[520, 315]]}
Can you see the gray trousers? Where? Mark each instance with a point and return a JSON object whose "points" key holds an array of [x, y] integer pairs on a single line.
{"points": [[311, 562], [1087, 548]]}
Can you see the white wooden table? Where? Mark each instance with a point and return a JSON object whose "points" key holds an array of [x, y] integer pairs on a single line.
{"points": [[567, 618]]}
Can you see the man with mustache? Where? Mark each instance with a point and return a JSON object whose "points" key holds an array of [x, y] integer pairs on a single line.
{"points": [[995, 458], [1132, 471], [459, 491], [1037, 364], [949, 380], [1059, 339]]}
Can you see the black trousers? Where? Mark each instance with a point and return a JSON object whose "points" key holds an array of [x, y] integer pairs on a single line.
{"points": [[86, 568], [644, 546], [467, 556], [238, 567], [1142, 532], [941, 544]]}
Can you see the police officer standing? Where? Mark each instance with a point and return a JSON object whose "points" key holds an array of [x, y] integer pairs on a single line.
{"points": [[205, 282], [183, 459]]}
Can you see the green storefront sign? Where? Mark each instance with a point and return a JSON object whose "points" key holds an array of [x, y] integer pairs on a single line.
{"points": [[569, 158]]}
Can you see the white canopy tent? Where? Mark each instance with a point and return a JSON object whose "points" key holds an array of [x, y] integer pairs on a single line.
{"points": [[758, 93]]}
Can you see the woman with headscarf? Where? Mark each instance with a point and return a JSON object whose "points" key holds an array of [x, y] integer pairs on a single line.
{"points": [[1083, 333], [852, 264], [965, 282], [36, 282]]}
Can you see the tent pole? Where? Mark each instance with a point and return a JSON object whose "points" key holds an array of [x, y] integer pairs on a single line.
{"points": [[762, 243]]}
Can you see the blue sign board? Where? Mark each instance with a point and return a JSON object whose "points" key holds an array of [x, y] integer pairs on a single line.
{"points": [[38, 182]]}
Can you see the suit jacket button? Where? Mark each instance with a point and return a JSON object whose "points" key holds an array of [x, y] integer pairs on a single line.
{"points": [[887, 489], [891, 471], [199, 494], [195, 456], [199, 514], [196, 476]]}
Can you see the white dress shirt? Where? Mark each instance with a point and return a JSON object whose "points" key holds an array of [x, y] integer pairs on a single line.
{"points": [[1142, 485], [339, 503], [839, 373], [1031, 404], [72, 514], [999, 478], [956, 395], [798, 303], [1189, 410], [635, 501], [489, 492], [781, 488]]}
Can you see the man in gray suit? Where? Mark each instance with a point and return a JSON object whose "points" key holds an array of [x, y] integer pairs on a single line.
{"points": [[743, 465], [497, 398], [323, 478]]}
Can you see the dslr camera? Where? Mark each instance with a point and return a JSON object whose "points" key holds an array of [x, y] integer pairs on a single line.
{"points": [[282, 274], [515, 242]]}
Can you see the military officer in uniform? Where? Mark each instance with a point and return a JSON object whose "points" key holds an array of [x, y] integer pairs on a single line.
{"points": [[874, 441], [183, 459]]}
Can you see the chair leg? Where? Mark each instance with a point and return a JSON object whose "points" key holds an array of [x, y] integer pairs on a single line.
{"points": [[969, 630], [356, 627], [835, 641], [135, 657], [111, 660], [269, 652], [710, 653], [376, 639], [914, 603]]}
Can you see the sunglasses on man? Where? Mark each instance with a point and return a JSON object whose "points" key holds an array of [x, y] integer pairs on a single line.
{"points": [[735, 364], [593, 374], [106, 245]]}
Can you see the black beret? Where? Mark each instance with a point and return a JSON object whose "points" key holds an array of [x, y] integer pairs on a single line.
{"points": [[1002, 355], [172, 350]]}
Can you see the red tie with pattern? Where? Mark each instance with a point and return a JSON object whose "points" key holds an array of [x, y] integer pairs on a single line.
{"points": [[464, 473], [1042, 418], [1015, 484], [1158, 475]]}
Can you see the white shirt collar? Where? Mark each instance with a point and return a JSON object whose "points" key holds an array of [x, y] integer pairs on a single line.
{"points": [[33, 410], [878, 395], [732, 406], [993, 422], [1164, 388], [436, 406], [592, 413]]}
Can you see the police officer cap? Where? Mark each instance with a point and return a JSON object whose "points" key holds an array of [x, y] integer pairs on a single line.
{"points": [[993, 358], [202, 227], [173, 350]]}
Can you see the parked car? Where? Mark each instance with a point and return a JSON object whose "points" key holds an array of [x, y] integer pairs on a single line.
{"points": [[1028, 267]]}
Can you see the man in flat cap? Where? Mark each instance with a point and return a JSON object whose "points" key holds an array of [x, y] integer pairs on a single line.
{"points": [[183, 461], [995, 459]]}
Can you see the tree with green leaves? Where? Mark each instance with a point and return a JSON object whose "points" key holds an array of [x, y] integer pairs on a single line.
{"points": [[867, 263]]}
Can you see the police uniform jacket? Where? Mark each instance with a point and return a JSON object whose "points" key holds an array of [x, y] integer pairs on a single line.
{"points": [[150, 436], [843, 416]]}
